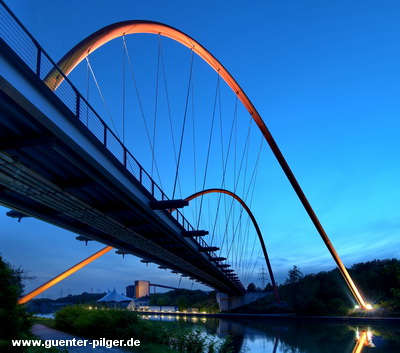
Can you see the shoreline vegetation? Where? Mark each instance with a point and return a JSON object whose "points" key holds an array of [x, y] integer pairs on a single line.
{"points": [[322, 296], [326, 293], [123, 325]]}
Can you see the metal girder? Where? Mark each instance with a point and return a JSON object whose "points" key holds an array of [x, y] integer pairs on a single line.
{"points": [[208, 248], [75, 184], [83, 238], [16, 214], [122, 252], [17, 143], [194, 233], [168, 204], [218, 258]]}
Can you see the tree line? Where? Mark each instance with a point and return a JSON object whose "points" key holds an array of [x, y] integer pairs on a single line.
{"points": [[186, 298], [326, 293]]}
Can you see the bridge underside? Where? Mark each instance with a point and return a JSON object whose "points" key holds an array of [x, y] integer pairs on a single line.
{"points": [[46, 174]]}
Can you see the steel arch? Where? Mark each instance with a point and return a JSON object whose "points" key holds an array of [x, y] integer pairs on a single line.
{"points": [[119, 29], [255, 224]]}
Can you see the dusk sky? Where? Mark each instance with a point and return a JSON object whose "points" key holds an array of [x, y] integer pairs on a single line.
{"points": [[325, 77]]}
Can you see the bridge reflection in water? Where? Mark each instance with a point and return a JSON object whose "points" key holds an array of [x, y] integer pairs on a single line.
{"points": [[257, 336]]}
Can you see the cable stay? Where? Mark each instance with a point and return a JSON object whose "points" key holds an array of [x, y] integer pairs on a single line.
{"points": [[141, 110], [184, 123], [236, 231], [169, 111], [123, 89], [250, 186], [87, 93], [194, 141], [101, 95], [209, 148], [155, 107], [225, 161], [236, 185]]}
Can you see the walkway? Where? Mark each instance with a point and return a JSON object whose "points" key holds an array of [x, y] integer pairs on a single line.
{"points": [[46, 333]]}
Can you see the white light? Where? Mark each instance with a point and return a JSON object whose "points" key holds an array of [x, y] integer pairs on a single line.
{"points": [[369, 335], [357, 307], [368, 307]]}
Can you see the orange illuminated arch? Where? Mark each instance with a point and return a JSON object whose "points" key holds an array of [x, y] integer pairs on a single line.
{"points": [[108, 33], [64, 275], [260, 237]]}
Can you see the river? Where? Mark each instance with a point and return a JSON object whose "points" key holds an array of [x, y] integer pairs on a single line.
{"points": [[277, 336]]}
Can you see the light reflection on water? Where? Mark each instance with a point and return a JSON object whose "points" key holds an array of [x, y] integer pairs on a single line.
{"points": [[257, 336]]}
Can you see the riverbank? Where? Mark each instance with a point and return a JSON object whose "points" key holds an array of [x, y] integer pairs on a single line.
{"points": [[287, 317], [125, 326], [250, 332], [47, 333]]}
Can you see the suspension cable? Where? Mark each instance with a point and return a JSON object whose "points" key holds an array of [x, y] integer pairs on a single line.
{"points": [[87, 93], [101, 95], [226, 163], [155, 105], [237, 181], [184, 123], [123, 89], [194, 150], [141, 110], [169, 110], [251, 184], [208, 149]]}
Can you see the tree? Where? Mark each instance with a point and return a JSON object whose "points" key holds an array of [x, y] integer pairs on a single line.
{"points": [[251, 287], [182, 302], [164, 300], [268, 287], [16, 322], [294, 275], [395, 290]]}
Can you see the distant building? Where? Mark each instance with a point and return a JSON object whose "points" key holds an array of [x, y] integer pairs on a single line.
{"points": [[142, 289], [130, 291], [135, 304]]}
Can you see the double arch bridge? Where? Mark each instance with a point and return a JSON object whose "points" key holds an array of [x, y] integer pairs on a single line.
{"points": [[59, 166]]}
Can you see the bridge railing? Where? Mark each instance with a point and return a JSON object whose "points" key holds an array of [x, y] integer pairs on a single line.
{"points": [[25, 46], [15, 35]]}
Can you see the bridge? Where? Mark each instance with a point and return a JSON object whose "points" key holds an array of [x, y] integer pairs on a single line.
{"points": [[61, 163]]}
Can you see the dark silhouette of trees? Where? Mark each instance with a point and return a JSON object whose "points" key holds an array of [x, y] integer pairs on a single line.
{"points": [[294, 275], [15, 322], [185, 298], [268, 288], [251, 287], [326, 293]]}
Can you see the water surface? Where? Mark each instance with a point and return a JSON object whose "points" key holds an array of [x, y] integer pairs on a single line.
{"points": [[258, 336]]}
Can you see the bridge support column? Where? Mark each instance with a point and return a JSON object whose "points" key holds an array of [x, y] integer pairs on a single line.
{"points": [[228, 302]]}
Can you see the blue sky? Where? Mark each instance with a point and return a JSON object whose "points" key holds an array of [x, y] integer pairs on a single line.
{"points": [[324, 76]]}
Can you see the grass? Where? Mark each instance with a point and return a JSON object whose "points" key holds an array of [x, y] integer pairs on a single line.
{"points": [[155, 337], [168, 337], [153, 348], [143, 348], [44, 321]]}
